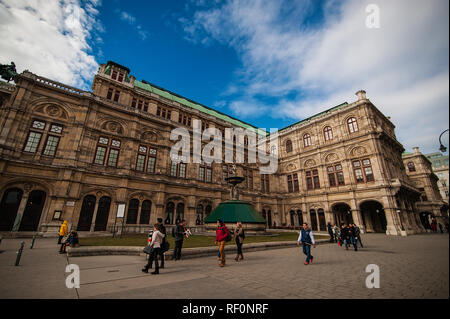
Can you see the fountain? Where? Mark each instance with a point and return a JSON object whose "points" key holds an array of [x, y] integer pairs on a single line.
{"points": [[235, 210]]}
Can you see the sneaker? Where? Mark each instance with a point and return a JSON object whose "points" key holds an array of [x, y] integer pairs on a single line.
{"points": [[221, 265], [145, 270], [155, 273], [311, 260], [306, 263]]}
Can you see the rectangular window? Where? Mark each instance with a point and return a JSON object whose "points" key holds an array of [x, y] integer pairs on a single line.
{"points": [[158, 111], [208, 175], [51, 145], [140, 162], [32, 142], [169, 114], [120, 79], [290, 186], [114, 75], [296, 187], [182, 170], [56, 129], [100, 155], [369, 174], [151, 164], [116, 96], [265, 187], [332, 180], [173, 169], [39, 125], [359, 175], [201, 173], [312, 179], [145, 106], [113, 156], [340, 178], [109, 95], [139, 105]]}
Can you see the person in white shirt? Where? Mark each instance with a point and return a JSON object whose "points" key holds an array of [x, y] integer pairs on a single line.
{"points": [[157, 239], [306, 238]]}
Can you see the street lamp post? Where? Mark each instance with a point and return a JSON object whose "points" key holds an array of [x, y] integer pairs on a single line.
{"points": [[442, 148]]}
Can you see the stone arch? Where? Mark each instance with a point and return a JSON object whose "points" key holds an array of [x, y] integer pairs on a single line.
{"points": [[112, 126], [373, 215], [52, 108], [358, 151], [149, 136], [309, 163], [331, 157]]}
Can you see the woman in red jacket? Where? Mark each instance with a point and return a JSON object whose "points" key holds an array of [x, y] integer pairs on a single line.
{"points": [[221, 235]]}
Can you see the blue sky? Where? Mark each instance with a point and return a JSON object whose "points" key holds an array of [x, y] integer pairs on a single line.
{"points": [[269, 63]]}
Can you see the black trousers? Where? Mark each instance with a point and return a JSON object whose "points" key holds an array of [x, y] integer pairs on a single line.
{"points": [[153, 257], [177, 249], [239, 247], [161, 257]]}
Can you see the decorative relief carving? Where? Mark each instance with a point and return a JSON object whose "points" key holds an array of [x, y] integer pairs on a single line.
{"points": [[113, 127], [358, 151], [333, 157], [290, 167], [310, 163], [149, 136]]}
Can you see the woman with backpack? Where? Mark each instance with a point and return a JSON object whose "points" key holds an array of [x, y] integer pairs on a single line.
{"points": [[222, 236], [239, 238]]}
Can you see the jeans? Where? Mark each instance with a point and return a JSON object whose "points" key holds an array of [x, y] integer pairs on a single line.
{"points": [[177, 249], [153, 257], [239, 247], [354, 242], [307, 252], [222, 251]]}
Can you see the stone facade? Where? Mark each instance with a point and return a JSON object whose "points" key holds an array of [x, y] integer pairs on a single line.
{"points": [[68, 154]]}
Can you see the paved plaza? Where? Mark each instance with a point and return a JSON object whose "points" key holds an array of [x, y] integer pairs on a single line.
{"points": [[410, 267]]}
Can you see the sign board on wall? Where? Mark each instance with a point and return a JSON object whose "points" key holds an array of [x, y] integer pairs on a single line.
{"points": [[120, 210]]}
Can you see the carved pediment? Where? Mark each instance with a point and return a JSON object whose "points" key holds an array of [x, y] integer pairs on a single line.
{"points": [[310, 163], [333, 157], [149, 136], [358, 151], [52, 110]]}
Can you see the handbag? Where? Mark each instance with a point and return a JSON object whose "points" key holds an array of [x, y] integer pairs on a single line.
{"points": [[148, 249], [165, 246]]}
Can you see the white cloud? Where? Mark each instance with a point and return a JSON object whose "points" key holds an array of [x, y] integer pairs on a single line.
{"points": [[50, 38], [131, 20], [403, 66]]}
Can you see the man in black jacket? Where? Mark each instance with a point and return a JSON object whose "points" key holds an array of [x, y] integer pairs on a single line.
{"points": [[179, 236], [162, 229]]}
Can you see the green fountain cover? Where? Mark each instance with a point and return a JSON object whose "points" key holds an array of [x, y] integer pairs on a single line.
{"points": [[234, 211]]}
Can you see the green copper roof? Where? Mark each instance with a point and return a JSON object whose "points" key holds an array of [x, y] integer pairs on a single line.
{"points": [[204, 109], [234, 211]]}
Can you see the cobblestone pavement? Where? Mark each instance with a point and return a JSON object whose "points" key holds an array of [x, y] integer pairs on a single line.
{"points": [[410, 267]]}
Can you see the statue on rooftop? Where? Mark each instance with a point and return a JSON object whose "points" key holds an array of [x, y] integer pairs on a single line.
{"points": [[8, 71]]}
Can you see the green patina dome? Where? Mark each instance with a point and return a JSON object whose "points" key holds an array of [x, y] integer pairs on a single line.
{"points": [[233, 211]]}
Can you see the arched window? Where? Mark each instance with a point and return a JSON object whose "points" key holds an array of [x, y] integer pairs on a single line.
{"points": [[352, 125], [411, 167], [288, 146], [199, 219], [180, 213], [168, 219], [307, 139], [133, 207], [145, 212], [328, 133]]}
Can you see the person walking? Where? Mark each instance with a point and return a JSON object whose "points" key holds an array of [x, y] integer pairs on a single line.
{"points": [[330, 232], [163, 231], [62, 231], [336, 233], [179, 236], [345, 236], [157, 239], [440, 228], [351, 235], [239, 235], [358, 235], [221, 238], [306, 238]]}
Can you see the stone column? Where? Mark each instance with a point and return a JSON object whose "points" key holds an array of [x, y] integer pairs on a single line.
{"points": [[20, 211], [95, 215]]}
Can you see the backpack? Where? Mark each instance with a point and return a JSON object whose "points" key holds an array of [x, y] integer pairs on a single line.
{"points": [[228, 236]]}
